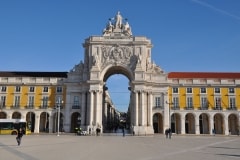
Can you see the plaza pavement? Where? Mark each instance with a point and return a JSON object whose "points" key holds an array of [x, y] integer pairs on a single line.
{"points": [[116, 147]]}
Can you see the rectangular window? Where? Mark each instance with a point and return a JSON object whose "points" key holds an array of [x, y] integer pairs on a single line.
{"points": [[76, 101], [45, 89], [31, 101], [218, 103], [203, 90], [17, 101], [31, 89], [3, 101], [204, 103], [217, 90], [59, 89], [18, 89], [175, 90], [189, 90], [232, 102], [175, 102], [231, 90], [45, 102], [3, 89], [189, 102], [157, 101]]}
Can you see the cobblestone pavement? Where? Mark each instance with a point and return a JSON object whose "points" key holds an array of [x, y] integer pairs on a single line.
{"points": [[112, 147]]}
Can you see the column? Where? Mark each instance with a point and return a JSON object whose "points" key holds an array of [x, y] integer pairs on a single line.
{"points": [[167, 114], [226, 125], [37, 119], [150, 121], [66, 109], [98, 109], [182, 124], [211, 121], [142, 110], [83, 109], [50, 124], [136, 108], [197, 130], [90, 108]]}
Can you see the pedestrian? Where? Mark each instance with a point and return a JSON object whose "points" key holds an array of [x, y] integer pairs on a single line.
{"points": [[169, 133], [123, 131], [213, 131], [19, 136], [166, 133]]}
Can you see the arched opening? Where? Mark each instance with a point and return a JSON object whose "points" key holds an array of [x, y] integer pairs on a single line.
{"points": [[176, 123], [218, 124], [204, 124], [158, 123], [75, 121], [233, 124], [189, 124], [3, 115], [55, 122], [116, 112], [31, 120], [16, 115], [44, 122]]}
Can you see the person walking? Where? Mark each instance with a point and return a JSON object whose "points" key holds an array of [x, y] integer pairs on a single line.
{"points": [[169, 133], [166, 133], [123, 131], [19, 136]]}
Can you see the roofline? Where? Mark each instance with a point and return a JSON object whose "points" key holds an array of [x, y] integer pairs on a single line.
{"points": [[206, 75], [32, 74]]}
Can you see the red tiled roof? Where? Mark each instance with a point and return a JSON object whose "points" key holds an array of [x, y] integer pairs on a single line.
{"points": [[220, 75]]}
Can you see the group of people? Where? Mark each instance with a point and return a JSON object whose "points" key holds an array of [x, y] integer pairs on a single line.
{"points": [[168, 133]]}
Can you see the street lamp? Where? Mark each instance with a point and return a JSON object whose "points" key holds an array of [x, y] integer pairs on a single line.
{"points": [[59, 102]]}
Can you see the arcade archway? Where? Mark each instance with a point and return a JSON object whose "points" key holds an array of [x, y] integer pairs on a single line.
{"points": [[75, 121], [115, 113], [44, 122], [3, 115], [31, 120], [158, 123]]}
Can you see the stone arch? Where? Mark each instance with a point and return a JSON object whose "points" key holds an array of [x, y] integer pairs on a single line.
{"points": [[44, 122], [233, 124], [176, 123], [16, 115], [111, 70], [3, 115], [55, 122], [75, 121], [190, 123], [110, 123], [30, 119], [218, 120], [157, 123], [204, 123]]}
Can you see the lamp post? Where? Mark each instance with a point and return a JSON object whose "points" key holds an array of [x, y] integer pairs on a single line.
{"points": [[59, 102]]}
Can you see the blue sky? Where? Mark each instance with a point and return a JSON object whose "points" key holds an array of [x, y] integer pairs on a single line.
{"points": [[187, 35]]}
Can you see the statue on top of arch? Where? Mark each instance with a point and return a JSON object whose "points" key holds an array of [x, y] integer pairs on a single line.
{"points": [[116, 25]]}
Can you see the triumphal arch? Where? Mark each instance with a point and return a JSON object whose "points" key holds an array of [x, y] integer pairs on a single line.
{"points": [[118, 51]]}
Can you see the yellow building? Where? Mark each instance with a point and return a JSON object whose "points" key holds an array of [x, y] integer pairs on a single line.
{"points": [[203, 102], [32, 96]]}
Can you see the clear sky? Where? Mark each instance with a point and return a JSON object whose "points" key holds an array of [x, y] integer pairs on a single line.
{"points": [[187, 35]]}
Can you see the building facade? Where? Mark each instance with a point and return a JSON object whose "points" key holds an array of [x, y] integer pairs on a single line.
{"points": [[186, 102]]}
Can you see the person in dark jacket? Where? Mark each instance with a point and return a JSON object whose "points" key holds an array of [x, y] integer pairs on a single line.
{"points": [[19, 136]]}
